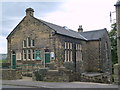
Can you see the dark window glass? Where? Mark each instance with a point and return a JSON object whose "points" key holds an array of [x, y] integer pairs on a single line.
{"points": [[24, 51], [33, 42], [24, 43], [29, 42], [33, 54], [29, 55]]}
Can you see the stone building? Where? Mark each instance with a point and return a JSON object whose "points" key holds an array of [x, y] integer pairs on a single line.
{"points": [[34, 41], [117, 66]]}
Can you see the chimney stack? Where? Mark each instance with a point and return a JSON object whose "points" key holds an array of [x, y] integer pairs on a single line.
{"points": [[29, 12], [80, 29]]}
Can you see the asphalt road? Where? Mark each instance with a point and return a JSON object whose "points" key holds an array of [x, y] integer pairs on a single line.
{"points": [[15, 86], [39, 84]]}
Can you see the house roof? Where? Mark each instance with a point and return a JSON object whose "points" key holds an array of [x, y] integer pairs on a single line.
{"points": [[89, 35], [63, 31], [93, 35]]}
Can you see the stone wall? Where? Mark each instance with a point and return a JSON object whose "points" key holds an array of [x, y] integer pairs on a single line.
{"points": [[117, 74], [61, 75], [11, 74], [105, 59], [92, 63], [96, 77]]}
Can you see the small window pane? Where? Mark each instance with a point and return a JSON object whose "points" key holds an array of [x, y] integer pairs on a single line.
{"points": [[29, 42], [33, 54], [24, 53], [33, 42], [29, 54], [24, 43], [65, 55], [65, 45], [68, 45]]}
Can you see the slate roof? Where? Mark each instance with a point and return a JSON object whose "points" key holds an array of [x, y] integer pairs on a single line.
{"points": [[61, 30], [89, 35], [93, 35]]}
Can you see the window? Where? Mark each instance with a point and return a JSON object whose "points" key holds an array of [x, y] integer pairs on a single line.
{"points": [[24, 43], [70, 45], [29, 54], [33, 54], [65, 45], [28, 41], [71, 55], [68, 56], [78, 52], [24, 54], [33, 43], [68, 51], [65, 55], [76, 46], [80, 47]]}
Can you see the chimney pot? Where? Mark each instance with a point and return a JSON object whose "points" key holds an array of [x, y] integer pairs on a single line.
{"points": [[29, 12], [80, 29]]}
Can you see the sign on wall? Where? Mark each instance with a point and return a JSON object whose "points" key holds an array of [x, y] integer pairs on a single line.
{"points": [[52, 55], [38, 55]]}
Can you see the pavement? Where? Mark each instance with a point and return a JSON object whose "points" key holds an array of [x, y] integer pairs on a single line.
{"points": [[27, 82]]}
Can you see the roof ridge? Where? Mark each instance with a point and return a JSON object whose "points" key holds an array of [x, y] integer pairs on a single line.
{"points": [[94, 30]]}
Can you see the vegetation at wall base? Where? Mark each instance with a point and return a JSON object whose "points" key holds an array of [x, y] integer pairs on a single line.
{"points": [[113, 38]]}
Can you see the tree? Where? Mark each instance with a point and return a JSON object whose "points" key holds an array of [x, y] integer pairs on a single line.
{"points": [[113, 38]]}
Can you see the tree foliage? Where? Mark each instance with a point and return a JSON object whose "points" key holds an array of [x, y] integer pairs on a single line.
{"points": [[113, 38]]}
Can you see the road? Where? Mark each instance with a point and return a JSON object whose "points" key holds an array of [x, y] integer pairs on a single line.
{"points": [[39, 84], [15, 86]]}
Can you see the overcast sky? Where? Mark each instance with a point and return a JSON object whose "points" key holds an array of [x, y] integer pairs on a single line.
{"points": [[91, 14]]}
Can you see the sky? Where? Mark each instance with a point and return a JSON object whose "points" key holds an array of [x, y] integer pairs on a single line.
{"points": [[91, 14]]}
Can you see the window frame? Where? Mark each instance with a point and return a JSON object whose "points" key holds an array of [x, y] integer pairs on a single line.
{"points": [[28, 42], [33, 54], [24, 54], [28, 54], [32, 43], [24, 44]]}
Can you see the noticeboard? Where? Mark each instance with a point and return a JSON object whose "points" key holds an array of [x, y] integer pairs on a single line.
{"points": [[52, 56], [38, 55]]}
